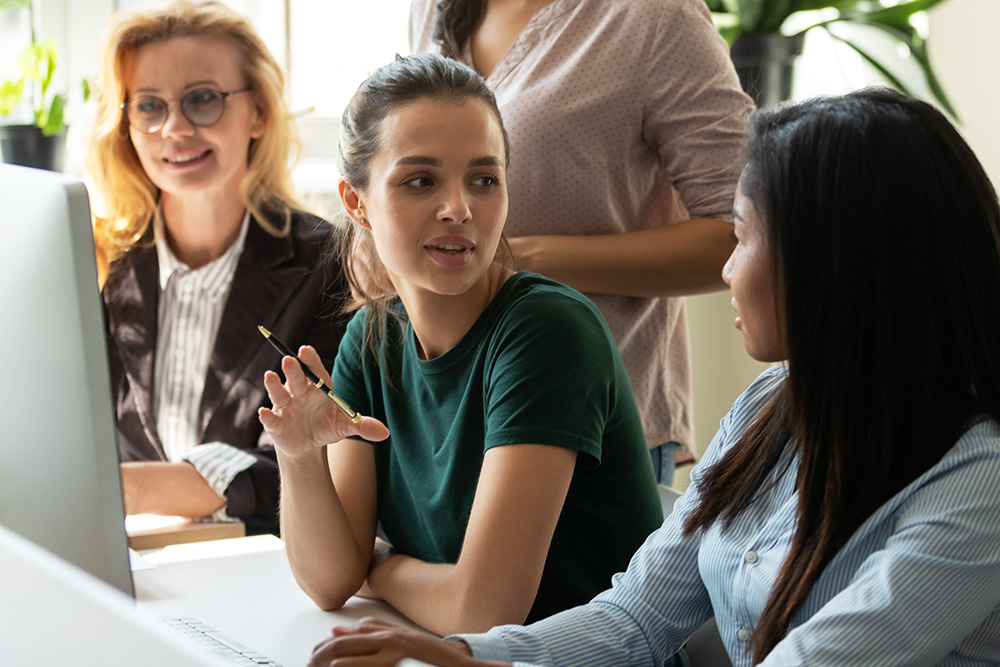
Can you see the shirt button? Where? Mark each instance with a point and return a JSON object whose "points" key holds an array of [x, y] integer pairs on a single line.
{"points": [[743, 634], [750, 557]]}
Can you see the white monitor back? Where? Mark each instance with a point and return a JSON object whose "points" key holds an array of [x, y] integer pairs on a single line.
{"points": [[54, 613], [60, 485]]}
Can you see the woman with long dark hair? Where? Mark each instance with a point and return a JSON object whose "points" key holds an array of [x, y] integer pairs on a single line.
{"points": [[847, 512]]}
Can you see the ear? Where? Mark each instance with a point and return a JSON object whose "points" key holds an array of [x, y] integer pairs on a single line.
{"points": [[257, 125], [351, 199]]}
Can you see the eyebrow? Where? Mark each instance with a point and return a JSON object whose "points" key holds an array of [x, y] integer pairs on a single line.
{"points": [[487, 161], [190, 86]]}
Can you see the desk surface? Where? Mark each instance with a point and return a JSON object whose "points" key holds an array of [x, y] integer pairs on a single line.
{"points": [[244, 588]]}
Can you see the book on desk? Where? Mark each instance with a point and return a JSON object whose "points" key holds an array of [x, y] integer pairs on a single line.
{"points": [[149, 531]]}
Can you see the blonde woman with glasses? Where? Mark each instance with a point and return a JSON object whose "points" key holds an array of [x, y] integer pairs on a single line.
{"points": [[200, 239]]}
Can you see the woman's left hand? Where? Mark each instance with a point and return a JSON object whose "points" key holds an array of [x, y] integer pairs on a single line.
{"points": [[377, 643]]}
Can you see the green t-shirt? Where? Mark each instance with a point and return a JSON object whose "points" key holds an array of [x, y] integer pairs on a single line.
{"points": [[539, 366]]}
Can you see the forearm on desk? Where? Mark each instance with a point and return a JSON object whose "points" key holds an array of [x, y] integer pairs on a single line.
{"points": [[438, 597], [518, 500], [680, 259], [322, 543], [159, 487]]}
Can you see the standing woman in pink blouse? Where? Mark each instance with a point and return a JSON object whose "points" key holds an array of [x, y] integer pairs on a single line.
{"points": [[625, 120]]}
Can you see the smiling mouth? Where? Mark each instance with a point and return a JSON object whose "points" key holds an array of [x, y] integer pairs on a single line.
{"points": [[450, 248], [182, 159]]}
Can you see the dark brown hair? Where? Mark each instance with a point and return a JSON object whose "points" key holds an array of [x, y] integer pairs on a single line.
{"points": [[884, 231], [405, 80], [454, 23]]}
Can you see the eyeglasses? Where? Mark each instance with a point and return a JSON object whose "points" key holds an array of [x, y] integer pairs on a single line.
{"points": [[202, 107]]}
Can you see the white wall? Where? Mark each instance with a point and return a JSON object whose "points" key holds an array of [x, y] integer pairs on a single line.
{"points": [[963, 49]]}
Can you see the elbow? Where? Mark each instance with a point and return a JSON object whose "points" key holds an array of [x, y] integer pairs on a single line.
{"points": [[328, 602], [329, 595]]}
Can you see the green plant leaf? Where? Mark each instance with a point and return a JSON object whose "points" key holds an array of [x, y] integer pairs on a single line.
{"points": [[810, 5], [53, 121], [47, 63], [29, 62], [10, 95], [895, 15], [15, 4], [893, 80], [897, 83], [85, 85], [773, 14], [917, 45]]}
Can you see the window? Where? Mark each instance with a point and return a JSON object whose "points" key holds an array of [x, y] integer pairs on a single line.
{"points": [[15, 35]]}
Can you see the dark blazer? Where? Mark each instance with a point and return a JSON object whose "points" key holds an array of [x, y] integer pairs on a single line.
{"points": [[289, 286]]}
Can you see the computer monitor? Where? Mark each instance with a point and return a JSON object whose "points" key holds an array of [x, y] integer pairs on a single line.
{"points": [[60, 484]]}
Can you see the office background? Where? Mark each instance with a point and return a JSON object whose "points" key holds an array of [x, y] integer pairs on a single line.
{"points": [[328, 47]]}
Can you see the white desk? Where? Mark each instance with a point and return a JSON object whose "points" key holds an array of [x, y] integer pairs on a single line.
{"points": [[244, 588]]}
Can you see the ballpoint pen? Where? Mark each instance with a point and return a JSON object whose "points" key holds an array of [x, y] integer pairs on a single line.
{"points": [[283, 349]]}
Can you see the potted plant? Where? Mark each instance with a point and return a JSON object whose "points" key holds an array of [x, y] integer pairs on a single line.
{"points": [[40, 143], [763, 55]]}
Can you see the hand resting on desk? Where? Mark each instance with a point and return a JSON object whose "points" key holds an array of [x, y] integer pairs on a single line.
{"points": [[380, 644]]}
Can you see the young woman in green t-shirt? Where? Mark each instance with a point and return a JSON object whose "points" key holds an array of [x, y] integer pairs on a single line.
{"points": [[515, 480]]}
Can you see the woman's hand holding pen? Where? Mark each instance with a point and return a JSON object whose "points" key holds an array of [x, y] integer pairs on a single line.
{"points": [[301, 419]]}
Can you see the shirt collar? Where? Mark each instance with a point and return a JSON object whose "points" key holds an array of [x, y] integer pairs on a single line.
{"points": [[224, 266]]}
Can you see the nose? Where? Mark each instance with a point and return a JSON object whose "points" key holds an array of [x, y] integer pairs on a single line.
{"points": [[176, 123], [455, 205], [727, 268]]}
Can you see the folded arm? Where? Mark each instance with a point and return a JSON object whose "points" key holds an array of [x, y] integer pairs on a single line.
{"points": [[174, 489], [327, 518], [517, 504], [679, 259]]}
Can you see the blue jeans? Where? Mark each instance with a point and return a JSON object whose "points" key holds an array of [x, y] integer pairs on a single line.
{"points": [[663, 462]]}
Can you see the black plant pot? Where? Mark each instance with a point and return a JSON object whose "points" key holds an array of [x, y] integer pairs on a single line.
{"points": [[27, 146], [764, 64]]}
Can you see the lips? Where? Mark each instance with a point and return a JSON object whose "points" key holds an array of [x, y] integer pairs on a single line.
{"points": [[449, 248], [186, 157], [450, 251]]}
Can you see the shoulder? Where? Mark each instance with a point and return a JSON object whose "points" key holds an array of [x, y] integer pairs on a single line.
{"points": [[311, 241], [309, 228], [531, 297], [549, 319], [966, 473], [138, 264]]}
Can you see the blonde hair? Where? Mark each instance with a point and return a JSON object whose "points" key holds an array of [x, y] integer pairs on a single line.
{"points": [[129, 198]]}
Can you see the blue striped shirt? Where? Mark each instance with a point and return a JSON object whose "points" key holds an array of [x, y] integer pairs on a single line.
{"points": [[917, 584]]}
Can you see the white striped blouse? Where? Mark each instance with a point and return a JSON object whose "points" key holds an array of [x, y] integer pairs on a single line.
{"points": [[190, 311], [917, 584]]}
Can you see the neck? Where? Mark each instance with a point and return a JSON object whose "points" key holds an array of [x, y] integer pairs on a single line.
{"points": [[200, 230], [441, 321]]}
